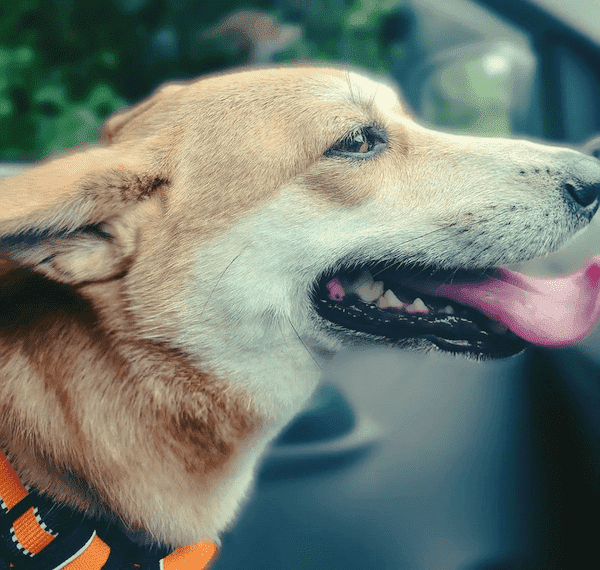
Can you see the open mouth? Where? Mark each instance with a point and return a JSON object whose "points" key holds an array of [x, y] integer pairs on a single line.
{"points": [[400, 304], [462, 311]]}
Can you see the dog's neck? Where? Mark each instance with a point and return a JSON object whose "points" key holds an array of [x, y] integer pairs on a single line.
{"points": [[200, 415]]}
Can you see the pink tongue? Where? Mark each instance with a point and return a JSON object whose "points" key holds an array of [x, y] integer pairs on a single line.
{"points": [[548, 312]]}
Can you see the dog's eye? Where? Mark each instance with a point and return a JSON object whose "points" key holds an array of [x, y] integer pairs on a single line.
{"points": [[358, 144]]}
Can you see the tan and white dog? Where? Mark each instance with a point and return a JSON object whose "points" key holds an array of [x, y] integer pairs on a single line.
{"points": [[160, 291]]}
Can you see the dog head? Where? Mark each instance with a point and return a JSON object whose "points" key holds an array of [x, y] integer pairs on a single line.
{"points": [[218, 214], [159, 290]]}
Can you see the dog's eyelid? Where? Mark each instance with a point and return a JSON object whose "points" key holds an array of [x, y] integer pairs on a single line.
{"points": [[372, 135]]}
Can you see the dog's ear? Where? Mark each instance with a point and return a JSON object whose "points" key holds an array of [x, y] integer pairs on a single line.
{"points": [[76, 218], [113, 126]]}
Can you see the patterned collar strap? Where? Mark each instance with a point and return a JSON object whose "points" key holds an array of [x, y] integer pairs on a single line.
{"points": [[36, 534]]}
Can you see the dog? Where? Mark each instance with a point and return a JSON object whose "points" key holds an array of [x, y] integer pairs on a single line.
{"points": [[165, 292]]}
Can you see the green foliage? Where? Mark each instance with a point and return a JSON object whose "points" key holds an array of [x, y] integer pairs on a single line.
{"points": [[65, 66], [62, 123], [38, 115], [361, 34], [55, 82]]}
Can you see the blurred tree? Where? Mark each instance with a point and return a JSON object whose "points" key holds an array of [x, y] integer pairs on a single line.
{"points": [[67, 64]]}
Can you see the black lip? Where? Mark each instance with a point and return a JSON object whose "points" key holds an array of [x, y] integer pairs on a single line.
{"points": [[467, 326], [425, 272]]}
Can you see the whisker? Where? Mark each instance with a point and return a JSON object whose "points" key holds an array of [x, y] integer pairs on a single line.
{"points": [[221, 276], [303, 344], [391, 263]]}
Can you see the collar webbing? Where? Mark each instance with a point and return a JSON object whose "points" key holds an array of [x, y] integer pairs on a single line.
{"points": [[29, 542]]}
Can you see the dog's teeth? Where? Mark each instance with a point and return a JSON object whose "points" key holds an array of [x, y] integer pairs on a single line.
{"points": [[378, 286], [448, 310], [370, 292], [389, 300], [457, 342], [365, 278], [393, 300], [417, 306]]}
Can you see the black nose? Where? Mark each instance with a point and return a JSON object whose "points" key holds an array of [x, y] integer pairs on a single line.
{"points": [[581, 186], [584, 195]]}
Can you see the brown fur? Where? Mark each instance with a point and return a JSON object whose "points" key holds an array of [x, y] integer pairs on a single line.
{"points": [[150, 286], [83, 397], [174, 418]]}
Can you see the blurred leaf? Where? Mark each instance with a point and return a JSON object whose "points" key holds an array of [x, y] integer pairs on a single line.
{"points": [[64, 66]]}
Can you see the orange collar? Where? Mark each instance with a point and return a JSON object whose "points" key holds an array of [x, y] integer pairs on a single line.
{"points": [[29, 535]]}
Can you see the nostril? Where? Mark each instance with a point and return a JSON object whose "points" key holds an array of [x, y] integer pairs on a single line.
{"points": [[571, 190], [583, 195]]}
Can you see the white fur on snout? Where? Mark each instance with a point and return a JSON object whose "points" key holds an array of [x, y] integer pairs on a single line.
{"points": [[257, 277]]}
